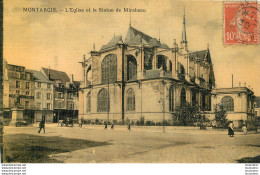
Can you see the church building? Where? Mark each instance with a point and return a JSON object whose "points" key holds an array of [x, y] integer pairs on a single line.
{"points": [[140, 77]]}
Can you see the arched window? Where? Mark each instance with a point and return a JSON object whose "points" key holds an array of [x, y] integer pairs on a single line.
{"points": [[228, 103], [130, 97], [131, 67], [89, 102], [170, 64], [109, 69], [181, 72], [171, 99], [161, 62], [88, 78], [183, 97], [209, 103], [203, 102], [103, 101], [193, 96]]}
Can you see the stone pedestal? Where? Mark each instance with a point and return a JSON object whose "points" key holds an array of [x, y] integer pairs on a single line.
{"points": [[17, 116]]}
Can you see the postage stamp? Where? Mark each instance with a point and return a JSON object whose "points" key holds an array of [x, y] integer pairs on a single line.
{"points": [[241, 25]]}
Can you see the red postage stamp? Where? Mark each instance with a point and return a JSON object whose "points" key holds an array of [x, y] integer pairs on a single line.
{"points": [[241, 23]]}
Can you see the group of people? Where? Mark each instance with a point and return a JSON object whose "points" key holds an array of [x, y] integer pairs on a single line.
{"points": [[231, 132], [112, 126]]}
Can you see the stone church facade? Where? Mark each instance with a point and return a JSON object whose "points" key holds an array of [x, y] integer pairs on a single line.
{"points": [[142, 77]]}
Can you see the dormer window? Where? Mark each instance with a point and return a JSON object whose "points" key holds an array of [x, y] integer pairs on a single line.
{"points": [[39, 84]]}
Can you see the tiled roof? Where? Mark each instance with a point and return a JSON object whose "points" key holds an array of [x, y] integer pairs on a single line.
{"points": [[55, 75]]}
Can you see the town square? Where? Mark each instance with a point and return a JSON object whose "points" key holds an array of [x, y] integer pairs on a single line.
{"points": [[133, 82], [93, 144]]}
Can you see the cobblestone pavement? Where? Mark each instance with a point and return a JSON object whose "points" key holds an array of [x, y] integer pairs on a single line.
{"points": [[93, 144]]}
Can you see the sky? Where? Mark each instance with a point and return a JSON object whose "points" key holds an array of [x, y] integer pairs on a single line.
{"points": [[60, 39]]}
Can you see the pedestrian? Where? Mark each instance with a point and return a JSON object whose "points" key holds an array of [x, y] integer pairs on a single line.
{"points": [[42, 126], [231, 129], [66, 122], [129, 127], [105, 125], [244, 129], [71, 122], [112, 126], [80, 123]]}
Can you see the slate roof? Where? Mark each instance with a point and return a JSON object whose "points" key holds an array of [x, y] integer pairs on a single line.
{"points": [[111, 43], [55, 75], [135, 37], [39, 76], [76, 83]]}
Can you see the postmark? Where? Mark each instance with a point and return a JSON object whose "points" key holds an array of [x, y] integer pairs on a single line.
{"points": [[241, 23]]}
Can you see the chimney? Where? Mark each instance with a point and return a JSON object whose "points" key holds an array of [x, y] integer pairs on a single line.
{"points": [[71, 78]]}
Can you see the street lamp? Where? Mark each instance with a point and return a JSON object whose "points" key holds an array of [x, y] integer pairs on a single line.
{"points": [[163, 110]]}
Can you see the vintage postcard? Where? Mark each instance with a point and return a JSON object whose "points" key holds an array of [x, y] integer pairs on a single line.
{"points": [[130, 81]]}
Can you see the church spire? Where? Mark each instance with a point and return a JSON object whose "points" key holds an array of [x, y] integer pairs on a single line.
{"points": [[130, 25], [184, 36]]}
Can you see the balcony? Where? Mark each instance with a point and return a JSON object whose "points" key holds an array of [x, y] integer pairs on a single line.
{"points": [[21, 96], [27, 107]]}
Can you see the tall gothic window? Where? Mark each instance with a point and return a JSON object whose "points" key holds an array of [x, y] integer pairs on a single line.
{"points": [[109, 69], [228, 103], [193, 96], [103, 101], [130, 97], [183, 97], [88, 78], [203, 102], [89, 102], [161, 62], [170, 64], [181, 72], [131, 67], [171, 99], [209, 103]]}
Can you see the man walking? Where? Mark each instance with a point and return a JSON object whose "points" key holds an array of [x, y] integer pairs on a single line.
{"points": [[129, 127], [42, 126], [112, 126], [80, 123], [231, 129]]}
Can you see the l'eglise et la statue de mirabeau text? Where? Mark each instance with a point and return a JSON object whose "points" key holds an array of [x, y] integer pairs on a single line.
{"points": [[75, 10]]}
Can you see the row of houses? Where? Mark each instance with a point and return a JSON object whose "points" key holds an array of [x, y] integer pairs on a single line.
{"points": [[47, 93]]}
